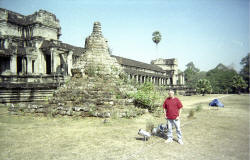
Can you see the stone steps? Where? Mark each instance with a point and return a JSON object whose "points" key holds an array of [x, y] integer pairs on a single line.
{"points": [[29, 95]]}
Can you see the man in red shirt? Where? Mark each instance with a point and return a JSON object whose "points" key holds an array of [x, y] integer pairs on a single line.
{"points": [[172, 109]]}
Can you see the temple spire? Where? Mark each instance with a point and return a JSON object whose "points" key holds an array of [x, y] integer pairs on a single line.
{"points": [[97, 29]]}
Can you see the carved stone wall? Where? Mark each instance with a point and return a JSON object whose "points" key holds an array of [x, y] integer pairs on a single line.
{"points": [[41, 23]]}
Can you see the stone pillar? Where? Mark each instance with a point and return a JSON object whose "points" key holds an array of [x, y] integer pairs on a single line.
{"points": [[56, 62], [183, 79], [135, 78], [13, 64], [69, 62], [53, 64], [168, 81], [24, 65], [139, 78], [29, 65]]}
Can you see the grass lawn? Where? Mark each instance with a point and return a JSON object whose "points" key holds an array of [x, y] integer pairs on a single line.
{"points": [[211, 134]]}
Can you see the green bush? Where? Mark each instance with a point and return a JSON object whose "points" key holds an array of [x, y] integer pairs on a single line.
{"points": [[146, 96], [191, 113], [198, 108]]}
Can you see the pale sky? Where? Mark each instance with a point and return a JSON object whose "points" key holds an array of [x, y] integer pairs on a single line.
{"points": [[207, 32]]}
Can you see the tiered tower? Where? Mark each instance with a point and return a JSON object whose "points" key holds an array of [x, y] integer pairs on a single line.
{"points": [[97, 56]]}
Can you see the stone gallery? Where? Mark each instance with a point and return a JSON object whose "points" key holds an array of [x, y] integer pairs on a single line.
{"points": [[34, 62]]}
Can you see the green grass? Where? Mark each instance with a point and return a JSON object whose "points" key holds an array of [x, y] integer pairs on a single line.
{"points": [[214, 134]]}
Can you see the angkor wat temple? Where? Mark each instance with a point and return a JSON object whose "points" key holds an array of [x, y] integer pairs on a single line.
{"points": [[34, 62]]}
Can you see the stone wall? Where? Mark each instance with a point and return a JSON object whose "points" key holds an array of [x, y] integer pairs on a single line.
{"points": [[41, 23], [170, 66]]}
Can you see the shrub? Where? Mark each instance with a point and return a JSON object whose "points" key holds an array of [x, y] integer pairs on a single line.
{"points": [[145, 97], [198, 108], [191, 113]]}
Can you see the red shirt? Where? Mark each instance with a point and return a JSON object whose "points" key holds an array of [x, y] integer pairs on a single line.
{"points": [[172, 105]]}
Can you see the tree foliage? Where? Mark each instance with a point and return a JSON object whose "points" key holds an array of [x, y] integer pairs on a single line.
{"points": [[191, 75], [221, 79], [156, 37], [204, 86], [239, 83], [245, 70]]}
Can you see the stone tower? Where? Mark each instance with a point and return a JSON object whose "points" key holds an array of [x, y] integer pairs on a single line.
{"points": [[97, 56]]}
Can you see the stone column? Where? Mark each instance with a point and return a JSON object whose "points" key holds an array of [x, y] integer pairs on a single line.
{"points": [[13, 64], [29, 65], [183, 79], [24, 65], [53, 64], [135, 78], [139, 78], [69, 62], [168, 81]]}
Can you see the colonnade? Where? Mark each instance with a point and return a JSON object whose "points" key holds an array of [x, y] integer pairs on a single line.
{"points": [[157, 80]]}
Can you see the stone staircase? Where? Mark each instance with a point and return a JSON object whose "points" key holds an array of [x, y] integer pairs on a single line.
{"points": [[26, 92]]}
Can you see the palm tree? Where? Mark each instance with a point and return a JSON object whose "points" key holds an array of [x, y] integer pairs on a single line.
{"points": [[156, 38]]}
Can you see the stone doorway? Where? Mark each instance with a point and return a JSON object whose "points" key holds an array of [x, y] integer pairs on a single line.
{"points": [[4, 64], [48, 64], [19, 65]]}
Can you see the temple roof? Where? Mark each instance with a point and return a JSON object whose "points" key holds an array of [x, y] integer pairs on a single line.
{"points": [[133, 63], [57, 44], [22, 20]]}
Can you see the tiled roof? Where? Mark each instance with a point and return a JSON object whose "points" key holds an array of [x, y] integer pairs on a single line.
{"points": [[76, 50], [133, 63]]}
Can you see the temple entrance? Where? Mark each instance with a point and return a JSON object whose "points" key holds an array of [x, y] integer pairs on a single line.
{"points": [[171, 81], [48, 64], [19, 65], [4, 64], [33, 66]]}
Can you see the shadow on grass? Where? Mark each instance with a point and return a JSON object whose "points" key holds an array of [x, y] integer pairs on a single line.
{"points": [[141, 139]]}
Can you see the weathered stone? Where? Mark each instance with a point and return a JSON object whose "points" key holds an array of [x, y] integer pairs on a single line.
{"points": [[106, 115], [40, 110], [69, 112]]}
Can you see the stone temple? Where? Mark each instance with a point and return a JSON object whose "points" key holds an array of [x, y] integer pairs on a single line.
{"points": [[34, 62]]}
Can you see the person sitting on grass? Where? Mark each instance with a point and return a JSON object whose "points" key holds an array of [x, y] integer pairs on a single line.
{"points": [[172, 109]]}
